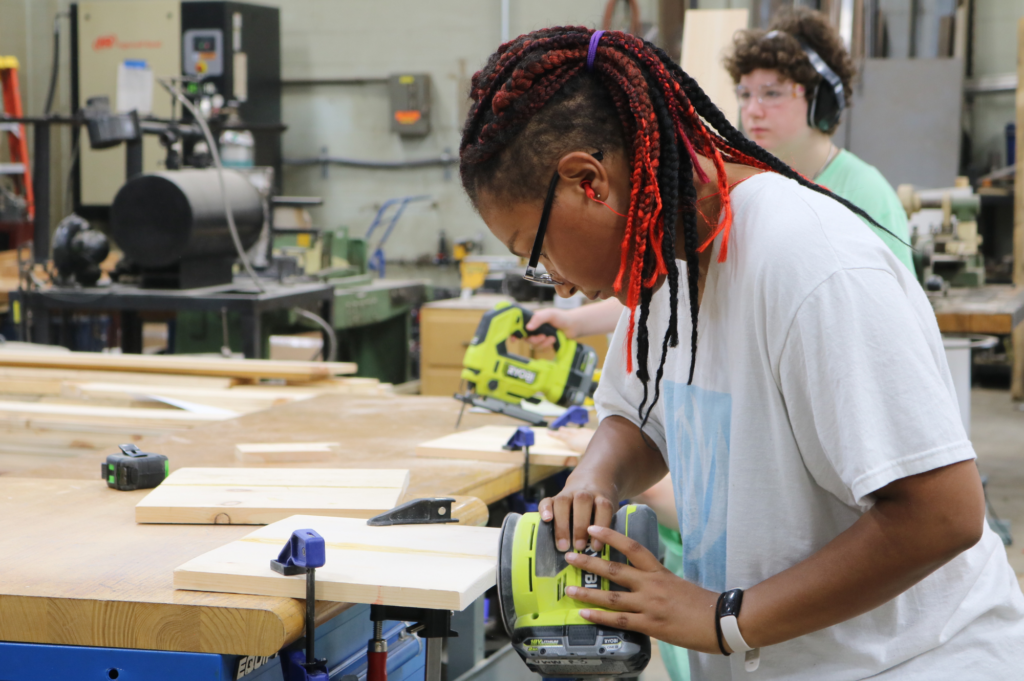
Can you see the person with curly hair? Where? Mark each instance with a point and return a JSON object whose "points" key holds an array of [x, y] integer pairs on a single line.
{"points": [[776, 359], [776, 85]]}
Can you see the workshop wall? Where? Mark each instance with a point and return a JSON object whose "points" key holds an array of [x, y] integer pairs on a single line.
{"points": [[450, 40]]}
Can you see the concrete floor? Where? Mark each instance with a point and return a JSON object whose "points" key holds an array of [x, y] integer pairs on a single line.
{"points": [[997, 431]]}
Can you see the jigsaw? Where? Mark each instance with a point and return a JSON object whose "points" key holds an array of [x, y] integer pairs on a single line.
{"points": [[499, 380]]}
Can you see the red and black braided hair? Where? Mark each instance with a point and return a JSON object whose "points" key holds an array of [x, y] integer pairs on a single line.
{"points": [[536, 100]]}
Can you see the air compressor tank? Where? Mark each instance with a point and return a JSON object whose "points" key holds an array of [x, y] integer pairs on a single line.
{"points": [[173, 227]]}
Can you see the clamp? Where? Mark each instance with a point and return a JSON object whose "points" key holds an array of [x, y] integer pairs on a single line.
{"points": [[304, 553], [575, 414], [522, 439]]}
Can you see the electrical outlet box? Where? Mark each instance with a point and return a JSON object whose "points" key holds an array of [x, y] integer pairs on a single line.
{"points": [[410, 104]]}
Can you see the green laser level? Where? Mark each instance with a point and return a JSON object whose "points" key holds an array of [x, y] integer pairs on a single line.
{"points": [[134, 469]]}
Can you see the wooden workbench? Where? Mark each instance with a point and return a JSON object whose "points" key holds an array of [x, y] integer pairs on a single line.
{"points": [[993, 309], [79, 571]]}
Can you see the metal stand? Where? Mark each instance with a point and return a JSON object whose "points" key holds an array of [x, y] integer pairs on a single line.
{"points": [[434, 626], [130, 301]]}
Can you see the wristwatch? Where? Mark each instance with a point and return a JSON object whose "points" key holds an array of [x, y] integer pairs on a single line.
{"points": [[727, 628]]}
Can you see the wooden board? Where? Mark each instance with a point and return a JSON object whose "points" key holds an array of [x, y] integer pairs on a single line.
{"points": [[170, 364], [117, 416], [278, 452], [1018, 182], [445, 567], [707, 38], [486, 444], [251, 399], [259, 496]]}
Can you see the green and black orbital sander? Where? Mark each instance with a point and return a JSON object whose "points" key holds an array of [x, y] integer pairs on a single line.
{"points": [[499, 380], [543, 622]]}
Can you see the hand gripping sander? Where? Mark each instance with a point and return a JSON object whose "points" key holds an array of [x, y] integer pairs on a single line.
{"points": [[543, 622]]}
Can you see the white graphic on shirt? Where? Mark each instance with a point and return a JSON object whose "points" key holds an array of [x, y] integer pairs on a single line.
{"points": [[697, 426]]}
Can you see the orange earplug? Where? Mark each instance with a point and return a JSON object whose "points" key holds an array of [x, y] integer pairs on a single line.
{"points": [[589, 191]]}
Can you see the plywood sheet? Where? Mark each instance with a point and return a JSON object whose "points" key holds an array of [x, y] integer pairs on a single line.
{"points": [[431, 566], [486, 444], [707, 38], [259, 496]]}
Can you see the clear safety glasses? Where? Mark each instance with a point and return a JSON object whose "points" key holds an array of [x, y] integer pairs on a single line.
{"points": [[768, 96], [531, 268]]}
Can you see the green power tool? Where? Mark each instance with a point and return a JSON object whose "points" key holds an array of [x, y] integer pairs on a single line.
{"points": [[544, 624], [499, 380]]}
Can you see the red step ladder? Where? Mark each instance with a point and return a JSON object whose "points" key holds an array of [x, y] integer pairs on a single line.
{"points": [[18, 166]]}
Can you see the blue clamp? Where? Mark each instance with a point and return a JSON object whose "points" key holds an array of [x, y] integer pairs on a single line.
{"points": [[305, 550], [577, 415], [523, 437]]}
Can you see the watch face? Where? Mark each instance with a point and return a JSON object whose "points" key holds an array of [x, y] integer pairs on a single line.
{"points": [[729, 603]]}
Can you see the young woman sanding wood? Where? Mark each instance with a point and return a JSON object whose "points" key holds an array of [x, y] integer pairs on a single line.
{"points": [[831, 512]]}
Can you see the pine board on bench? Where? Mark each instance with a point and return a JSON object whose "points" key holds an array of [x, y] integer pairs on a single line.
{"points": [[445, 567], [260, 496]]}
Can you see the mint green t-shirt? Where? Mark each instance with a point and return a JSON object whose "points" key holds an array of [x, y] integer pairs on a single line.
{"points": [[862, 185]]}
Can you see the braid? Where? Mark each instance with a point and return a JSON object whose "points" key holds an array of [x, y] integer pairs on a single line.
{"points": [[535, 100]]}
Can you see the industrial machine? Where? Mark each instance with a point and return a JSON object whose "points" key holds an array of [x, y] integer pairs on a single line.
{"points": [[227, 52], [543, 622], [499, 380], [945, 239], [173, 229]]}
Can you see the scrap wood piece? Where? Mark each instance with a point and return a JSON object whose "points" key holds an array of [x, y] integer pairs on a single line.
{"points": [[249, 399], [486, 444], [445, 567], [44, 380], [171, 364], [72, 413], [271, 452], [258, 496]]}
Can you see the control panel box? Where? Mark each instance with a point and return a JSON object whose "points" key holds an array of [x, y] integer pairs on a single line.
{"points": [[410, 104]]}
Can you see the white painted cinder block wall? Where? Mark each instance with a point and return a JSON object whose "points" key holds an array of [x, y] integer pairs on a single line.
{"points": [[450, 40]]}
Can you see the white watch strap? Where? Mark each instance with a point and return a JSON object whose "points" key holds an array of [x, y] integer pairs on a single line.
{"points": [[731, 634]]}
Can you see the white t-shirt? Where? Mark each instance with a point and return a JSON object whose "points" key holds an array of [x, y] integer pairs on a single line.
{"points": [[820, 378]]}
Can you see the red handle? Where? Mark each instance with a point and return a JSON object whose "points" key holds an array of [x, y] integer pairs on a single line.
{"points": [[376, 666]]}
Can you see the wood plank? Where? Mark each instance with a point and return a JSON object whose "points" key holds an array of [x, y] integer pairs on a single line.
{"points": [[260, 496], [445, 567], [1018, 183], [170, 364], [487, 444], [707, 35], [67, 413], [279, 452], [249, 400], [40, 381]]}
